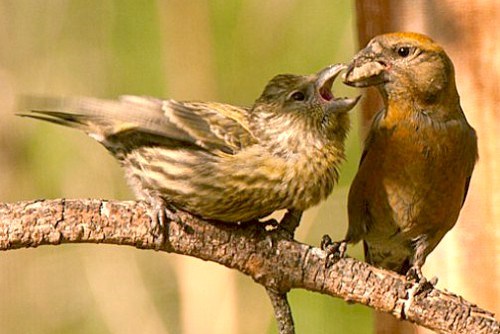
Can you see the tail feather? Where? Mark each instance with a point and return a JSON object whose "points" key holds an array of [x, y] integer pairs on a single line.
{"points": [[57, 117], [102, 119]]}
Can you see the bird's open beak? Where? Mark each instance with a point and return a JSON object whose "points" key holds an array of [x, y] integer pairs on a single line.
{"points": [[324, 83], [365, 70]]}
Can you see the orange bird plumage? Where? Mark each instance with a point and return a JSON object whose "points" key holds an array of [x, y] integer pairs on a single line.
{"points": [[418, 157]]}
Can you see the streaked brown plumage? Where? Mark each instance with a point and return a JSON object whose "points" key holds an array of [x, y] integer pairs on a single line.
{"points": [[219, 161], [419, 154]]}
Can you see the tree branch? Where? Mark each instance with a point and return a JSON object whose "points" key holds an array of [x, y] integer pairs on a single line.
{"points": [[282, 311], [271, 258]]}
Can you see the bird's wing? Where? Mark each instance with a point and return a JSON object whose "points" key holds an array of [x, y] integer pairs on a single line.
{"points": [[369, 138], [472, 139], [212, 126], [359, 215], [467, 183]]}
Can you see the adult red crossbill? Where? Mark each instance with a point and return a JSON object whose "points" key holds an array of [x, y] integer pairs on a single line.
{"points": [[419, 153], [218, 161]]}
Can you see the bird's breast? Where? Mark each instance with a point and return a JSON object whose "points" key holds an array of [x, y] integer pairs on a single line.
{"points": [[417, 173], [314, 174]]}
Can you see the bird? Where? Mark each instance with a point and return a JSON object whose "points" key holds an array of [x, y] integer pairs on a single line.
{"points": [[418, 156], [214, 160]]}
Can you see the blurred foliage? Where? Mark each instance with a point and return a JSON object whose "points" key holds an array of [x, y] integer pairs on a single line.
{"points": [[220, 50]]}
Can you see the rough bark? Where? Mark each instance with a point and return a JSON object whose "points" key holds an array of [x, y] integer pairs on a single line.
{"points": [[270, 257]]}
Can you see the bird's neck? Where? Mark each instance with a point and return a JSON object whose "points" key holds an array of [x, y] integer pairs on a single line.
{"points": [[402, 106], [287, 136]]}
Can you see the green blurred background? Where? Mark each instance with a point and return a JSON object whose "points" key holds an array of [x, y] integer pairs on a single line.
{"points": [[221, 50]]}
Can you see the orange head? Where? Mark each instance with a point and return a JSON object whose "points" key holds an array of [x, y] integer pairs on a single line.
{"points": [[404, 65]]}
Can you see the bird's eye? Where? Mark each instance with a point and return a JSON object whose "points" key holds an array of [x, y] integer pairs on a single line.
{"points": [[403, 51], [298, 96]]}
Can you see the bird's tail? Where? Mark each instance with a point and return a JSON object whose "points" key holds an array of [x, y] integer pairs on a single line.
{"points": [[67, 112], [100, 118]]}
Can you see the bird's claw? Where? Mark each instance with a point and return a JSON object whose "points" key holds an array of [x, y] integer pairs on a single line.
{"points": [[288, 224], [271, 224], [158, 218], [291, 221], [415, 277], [274, 225], [415, 274], [161, 215], [326, 241], [334, 250]]}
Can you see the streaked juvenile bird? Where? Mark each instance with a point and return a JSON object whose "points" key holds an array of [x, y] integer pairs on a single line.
{"points": [[215, 160], [419, 153]]}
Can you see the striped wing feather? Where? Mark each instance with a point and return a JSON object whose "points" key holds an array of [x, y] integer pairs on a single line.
{"points": [[212, 126]]}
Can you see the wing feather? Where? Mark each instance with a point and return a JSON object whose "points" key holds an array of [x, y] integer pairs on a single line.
{"points": [[212, 126]]}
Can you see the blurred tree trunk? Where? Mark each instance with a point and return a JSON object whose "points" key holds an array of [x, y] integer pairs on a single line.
{"points": [[467, 261]]}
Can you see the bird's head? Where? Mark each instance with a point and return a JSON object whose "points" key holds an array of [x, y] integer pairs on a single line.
{"points": [[306, 101], [404, 65]]}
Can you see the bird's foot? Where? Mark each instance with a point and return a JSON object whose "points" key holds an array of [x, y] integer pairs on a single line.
{"points": [[270, 224], [416, 285], [417, 282], [160, 214], [290, 222], [334, 250]]}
